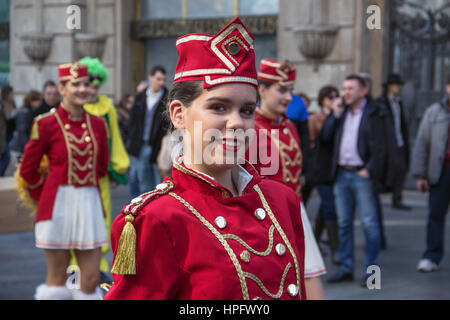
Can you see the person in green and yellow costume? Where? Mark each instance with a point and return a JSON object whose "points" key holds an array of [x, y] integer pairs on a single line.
{"points": [[119, 162]]}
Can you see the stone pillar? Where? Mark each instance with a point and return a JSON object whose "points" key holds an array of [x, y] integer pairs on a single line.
{"points": [[40, 16], [109, 17], [357, 49]]}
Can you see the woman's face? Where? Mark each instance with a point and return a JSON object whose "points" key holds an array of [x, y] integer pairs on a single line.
{"points": [[35, 103], [130, 102], [276, 98], [327, 101], [75, 93], [215, 126]]}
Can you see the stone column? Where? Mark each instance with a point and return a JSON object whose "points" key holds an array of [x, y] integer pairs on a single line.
{"points": [[108, 17], [40, 16], [355, 50]]}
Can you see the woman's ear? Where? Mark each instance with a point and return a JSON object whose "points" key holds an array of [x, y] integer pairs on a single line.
{"points": [[261, 91], [177, 114], [61, 88]]}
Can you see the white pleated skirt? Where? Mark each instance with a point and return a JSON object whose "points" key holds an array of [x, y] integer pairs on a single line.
{"points": [[314, 265], [77, 221]]}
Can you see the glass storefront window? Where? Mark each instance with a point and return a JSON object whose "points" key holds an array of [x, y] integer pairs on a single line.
{"points": [[4, 10], [258, 7], [158, 9], [4, 44], [194, 9], [209, 8], [162, 51]]}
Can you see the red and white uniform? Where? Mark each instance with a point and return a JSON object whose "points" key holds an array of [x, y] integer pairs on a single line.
{"points": [[196, 241], [279, 157], [69, 213], [281, 144], [77, 152]]}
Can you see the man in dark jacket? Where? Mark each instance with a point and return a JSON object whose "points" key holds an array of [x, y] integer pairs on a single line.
{"points": [[146, 128], [397, 139], [357, 168], [51, 99]]}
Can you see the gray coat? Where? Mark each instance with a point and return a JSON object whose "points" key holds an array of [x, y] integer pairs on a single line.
{"points": [[2, 129], [431, 142]]}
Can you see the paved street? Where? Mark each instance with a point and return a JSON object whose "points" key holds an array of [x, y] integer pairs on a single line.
{"points": [[22, 266]]}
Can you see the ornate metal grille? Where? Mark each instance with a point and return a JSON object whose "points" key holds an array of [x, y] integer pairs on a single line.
{"points": [[420, 52]]}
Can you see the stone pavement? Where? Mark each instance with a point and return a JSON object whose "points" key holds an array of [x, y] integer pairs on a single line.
{"points": [[22, 265]]}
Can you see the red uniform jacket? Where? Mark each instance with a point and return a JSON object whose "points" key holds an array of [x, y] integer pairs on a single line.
{"points": [[278, 150], [77, 152], [183, 253]]}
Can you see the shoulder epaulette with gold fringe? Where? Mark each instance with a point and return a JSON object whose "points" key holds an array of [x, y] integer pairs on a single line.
{"points": [[125, 259], [34, 129]]}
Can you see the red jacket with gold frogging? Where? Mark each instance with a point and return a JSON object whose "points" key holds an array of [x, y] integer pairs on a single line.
{"points": [[77, 152], [196, 241], [280, 143]]}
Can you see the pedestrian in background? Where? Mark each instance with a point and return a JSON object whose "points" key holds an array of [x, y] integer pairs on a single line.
{"points": [[8, 109], [51, 99], [146, 128], [321, 154], [382, 188], [123, 114], [358, 160], [142, 86], [397, 139], [431, 168], [24, 120]]}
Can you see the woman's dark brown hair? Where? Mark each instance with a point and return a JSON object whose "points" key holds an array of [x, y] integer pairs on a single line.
{"points": [[326, 92], [6, 91], [186, 92], [31, 96]]}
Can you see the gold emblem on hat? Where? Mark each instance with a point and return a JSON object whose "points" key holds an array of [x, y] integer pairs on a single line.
{"points": [[234, 48], [75, 70]]}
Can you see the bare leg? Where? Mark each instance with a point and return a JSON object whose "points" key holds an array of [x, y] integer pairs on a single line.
{"points": [[57, 263], [314, 289], [89, 262]]}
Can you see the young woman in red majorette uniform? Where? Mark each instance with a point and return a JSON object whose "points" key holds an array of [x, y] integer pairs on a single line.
{"points": [[216, 230], [69, 212], [277, 154]]}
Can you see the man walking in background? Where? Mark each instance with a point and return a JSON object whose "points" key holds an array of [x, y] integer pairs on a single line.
{"points": [[431, 168], [146, 130], [397, 139], [358, 158]]}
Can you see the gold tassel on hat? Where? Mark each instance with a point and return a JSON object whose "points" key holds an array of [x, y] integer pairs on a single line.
{"points": [[125, 260]]}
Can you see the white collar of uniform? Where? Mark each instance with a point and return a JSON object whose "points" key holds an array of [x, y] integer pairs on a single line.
{"points": [[241, 177]]}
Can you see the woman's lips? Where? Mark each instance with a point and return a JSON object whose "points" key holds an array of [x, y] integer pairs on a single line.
{"points": [[231, 144]]}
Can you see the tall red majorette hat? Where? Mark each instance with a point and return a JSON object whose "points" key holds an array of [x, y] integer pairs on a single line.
{"points": [[227, 57], [72, 71], [276, 72]]}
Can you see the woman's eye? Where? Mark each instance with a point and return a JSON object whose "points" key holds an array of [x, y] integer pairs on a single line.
{"points": [[248, 111], [217, 107]]}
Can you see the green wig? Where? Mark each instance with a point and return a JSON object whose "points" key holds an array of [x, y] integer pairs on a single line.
{"points": [[97, 71]]}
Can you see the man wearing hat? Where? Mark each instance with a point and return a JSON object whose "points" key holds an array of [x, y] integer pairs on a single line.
{"points": [[397, 139]]}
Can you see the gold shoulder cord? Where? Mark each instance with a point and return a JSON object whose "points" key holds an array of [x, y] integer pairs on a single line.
{"points": [[244, 244], [222, 241], [281, 232]]}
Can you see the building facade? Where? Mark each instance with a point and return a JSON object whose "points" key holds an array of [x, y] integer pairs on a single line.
{"points": [[325, 39]]}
